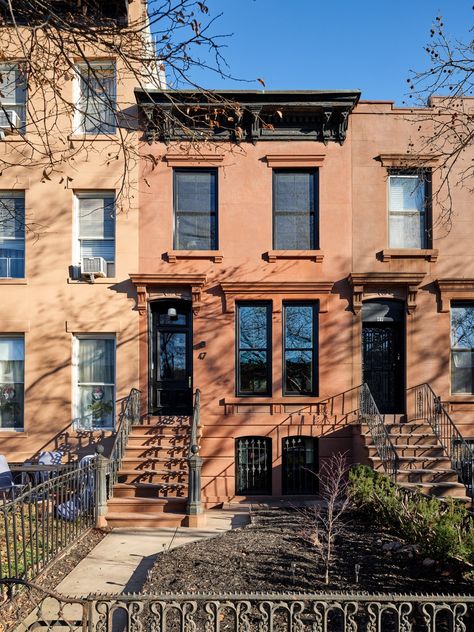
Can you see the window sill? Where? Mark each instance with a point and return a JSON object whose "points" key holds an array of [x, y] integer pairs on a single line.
{"points": [[89, 137], [428, 254], [7, 432], [312, 255], [462, 398], [14, 138], [271, 405], [8, 281], [213, 255], [98, 281]]}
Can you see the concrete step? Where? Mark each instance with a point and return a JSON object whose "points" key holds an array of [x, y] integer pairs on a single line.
{"points": [[415, 438], [157, 477], [451, 490], [138, 520], [147, 491], [404, 450], [410, 428], [427, 476], [154, 463], [414, 462], [137, 505]]}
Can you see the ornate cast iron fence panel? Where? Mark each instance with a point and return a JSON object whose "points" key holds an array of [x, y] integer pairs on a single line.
{"points": [[273, 612], [425, 405], [42, 521], [381, 438], [254, 465], [300, 465]]}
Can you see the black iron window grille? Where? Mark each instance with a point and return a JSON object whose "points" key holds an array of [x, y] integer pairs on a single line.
{"points": [[253, 465], [300, 465]]}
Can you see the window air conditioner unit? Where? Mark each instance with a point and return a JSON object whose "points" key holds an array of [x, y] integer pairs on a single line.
{"points": [[94, 267], [9, 121]]}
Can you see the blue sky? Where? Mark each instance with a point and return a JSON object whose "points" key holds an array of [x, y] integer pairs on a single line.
{"points": [[331, 44]]}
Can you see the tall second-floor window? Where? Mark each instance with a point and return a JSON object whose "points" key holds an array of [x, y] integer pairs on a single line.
{"points": [[408, 217], [12, 234], [97, 98], [300, 348], [13, 91], [254, 366], [295, 210], [462, 348], [96, 227], [195, 209]]}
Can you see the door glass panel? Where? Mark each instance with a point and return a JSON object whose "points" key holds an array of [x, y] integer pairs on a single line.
{"points": [[172, 354], [179, 319]]}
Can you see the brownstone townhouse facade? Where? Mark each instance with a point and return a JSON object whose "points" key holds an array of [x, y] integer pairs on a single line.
{"points": [[277, 262]]}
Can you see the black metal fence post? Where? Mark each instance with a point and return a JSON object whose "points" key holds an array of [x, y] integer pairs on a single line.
{"points": [[194, 505], [101, 487]]}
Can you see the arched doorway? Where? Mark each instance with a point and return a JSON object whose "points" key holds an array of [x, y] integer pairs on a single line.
{"points": [[170, 374], [383, 353]]}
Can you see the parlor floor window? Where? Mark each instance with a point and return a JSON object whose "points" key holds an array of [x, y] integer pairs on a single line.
{"points": [[12, 369], [462, 348], [300, 348], [95, 387], [254, 349]]}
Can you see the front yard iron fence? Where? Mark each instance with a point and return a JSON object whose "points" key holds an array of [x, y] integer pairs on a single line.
{"points": [[40, 522], [274, 612]]}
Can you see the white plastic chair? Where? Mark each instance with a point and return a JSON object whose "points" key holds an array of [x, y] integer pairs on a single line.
{"points": [[7, 486]]}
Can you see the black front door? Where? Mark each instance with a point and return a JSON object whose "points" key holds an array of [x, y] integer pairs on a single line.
{"points": [[171, 358], [383, 364]]}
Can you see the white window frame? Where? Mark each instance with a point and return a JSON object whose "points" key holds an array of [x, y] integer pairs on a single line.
{"points": [[20, 336], [75, 381], [19, 108], [423, 214], [79, 116], [19, 194], [76, 246]]}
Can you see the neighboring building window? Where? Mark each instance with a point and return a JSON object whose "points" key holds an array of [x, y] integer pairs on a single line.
{"points": [[300, 349], [408, 211], [195, 209], [295, 210], [254, 369], [97, 98], [12, 234], [462, 348], [13, 91], [12, 371], [96, 220], [95, 384]]}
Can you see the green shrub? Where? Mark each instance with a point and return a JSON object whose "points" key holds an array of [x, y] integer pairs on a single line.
{"points": [[441, 528]]}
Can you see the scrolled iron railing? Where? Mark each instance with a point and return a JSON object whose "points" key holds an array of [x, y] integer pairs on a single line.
{"points": [[128, 417], [383, 444], [425, 405]]}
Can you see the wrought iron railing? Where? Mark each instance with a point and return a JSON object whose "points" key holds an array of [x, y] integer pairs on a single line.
{"points": [[425, 405], [380, 436], [41, 522], [194, 507], [255, 612], [128, 417]]}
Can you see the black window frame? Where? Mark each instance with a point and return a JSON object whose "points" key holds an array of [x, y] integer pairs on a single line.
{"points": [[214, 212], [315, 349], [315, 236], [453, 349], [269, 308], [426, 175]]}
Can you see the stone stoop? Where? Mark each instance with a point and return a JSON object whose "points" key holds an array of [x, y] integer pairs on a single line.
{"points": [[152, 484], [423, 462]]}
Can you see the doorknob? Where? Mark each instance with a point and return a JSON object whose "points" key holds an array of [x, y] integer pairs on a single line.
{"points": [[189, 382]]}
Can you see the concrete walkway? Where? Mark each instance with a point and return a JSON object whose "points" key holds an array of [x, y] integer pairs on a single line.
{"points": [[121, 561]]}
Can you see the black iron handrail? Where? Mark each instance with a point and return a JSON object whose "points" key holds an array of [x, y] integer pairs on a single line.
{"points": [[195, 424], [427, 406], [386, 451], [129, 416]]}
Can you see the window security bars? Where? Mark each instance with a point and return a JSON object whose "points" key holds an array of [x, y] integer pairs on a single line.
{"points": [[254, 465], [425, 405], [274, 612], [38, 524], [300, 465]]}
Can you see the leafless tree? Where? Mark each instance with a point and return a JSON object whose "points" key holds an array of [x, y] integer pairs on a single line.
{"points": [[324, 521], [52, 53], [446, 130]]}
